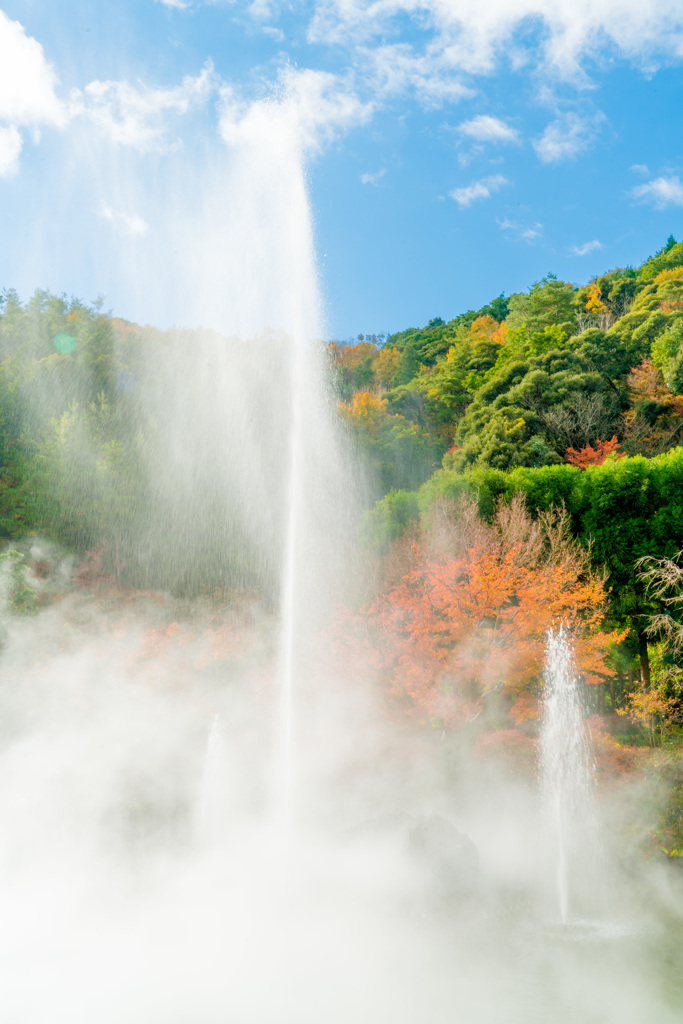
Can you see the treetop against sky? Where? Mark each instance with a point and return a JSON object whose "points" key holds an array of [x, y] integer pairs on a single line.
{"points": [[453, 150]]}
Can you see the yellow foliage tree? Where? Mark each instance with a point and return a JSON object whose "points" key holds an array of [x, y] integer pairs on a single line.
{"points": [[594, 303], [385, 366]]}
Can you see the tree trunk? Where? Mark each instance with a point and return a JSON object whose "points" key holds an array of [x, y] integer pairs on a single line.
{"points": [[644, 658]]}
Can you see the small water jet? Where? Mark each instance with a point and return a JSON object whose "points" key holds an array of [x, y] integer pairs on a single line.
{"points": [[568, 780], [214, 795]]}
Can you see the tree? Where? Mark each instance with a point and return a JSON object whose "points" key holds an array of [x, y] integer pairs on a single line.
{"points": [[650, 708], [396, 453], [629, 509], [409, 364], [622, 511], [663, 578], [657, 307], [670, 255], [389, 519], [534, 397], [353, 365], [654, 423], [385, 367], [460, 625], [549, 302], [581, 418], [667, 355], [594, 456]]}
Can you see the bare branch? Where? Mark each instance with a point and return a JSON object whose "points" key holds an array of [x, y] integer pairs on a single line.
{"points": [[663, 578]]}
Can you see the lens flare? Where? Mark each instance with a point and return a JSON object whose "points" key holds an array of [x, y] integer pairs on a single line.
{"points": [[65, 344]]}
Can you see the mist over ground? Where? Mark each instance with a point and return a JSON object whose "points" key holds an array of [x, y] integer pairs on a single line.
{"points": [[132, 888]]}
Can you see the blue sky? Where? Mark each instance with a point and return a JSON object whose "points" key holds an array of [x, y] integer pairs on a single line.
{"points": [[453, 150]]}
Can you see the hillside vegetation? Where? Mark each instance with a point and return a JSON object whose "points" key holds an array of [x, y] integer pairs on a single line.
{"points": [[522, 463], [569, 399]]}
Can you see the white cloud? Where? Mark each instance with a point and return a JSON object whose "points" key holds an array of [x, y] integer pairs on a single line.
{"points": [[125, 223], [136, 116], [478, 190], [27, 92], [586, 248], [312, 109], [640, 169], [432, 48], [179, 5], [373, 179], [566, 137], [261, 10], [524, 232], [660, 192], [485, 128], [393, 69], [10, 148], [27, 80], [275, 33], [475, 37]]}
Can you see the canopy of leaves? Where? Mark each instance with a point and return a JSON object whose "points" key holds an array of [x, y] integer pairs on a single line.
{"points": [[434, 340], [531, 410], [548, 303]]}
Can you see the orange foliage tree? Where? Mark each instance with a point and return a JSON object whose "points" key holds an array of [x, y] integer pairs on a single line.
{"points": [[458, 625], [487, 328], [590, 456], [368, 411]]}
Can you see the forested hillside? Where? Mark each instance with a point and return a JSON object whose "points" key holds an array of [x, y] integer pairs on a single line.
{"points": [[525, 378], [522, 465], [110, 435], [567, 399]]}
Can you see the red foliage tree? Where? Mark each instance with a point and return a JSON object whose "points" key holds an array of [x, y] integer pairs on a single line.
{"points": [[589, 456]]}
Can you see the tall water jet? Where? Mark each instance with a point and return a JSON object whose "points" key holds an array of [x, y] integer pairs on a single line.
{"points": [[248, 458], [568, 780], [289, 592]]}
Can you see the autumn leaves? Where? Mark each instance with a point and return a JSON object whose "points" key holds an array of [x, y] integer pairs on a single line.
{"points": [[462, 611]]}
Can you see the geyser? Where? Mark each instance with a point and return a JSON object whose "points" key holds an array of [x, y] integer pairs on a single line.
{"points": [[567, 774]]}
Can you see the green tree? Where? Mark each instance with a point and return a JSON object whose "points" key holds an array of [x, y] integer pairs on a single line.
{"points": [[549, 302], [396, 453], [536, 397], [409, 364], [667, 355]]}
